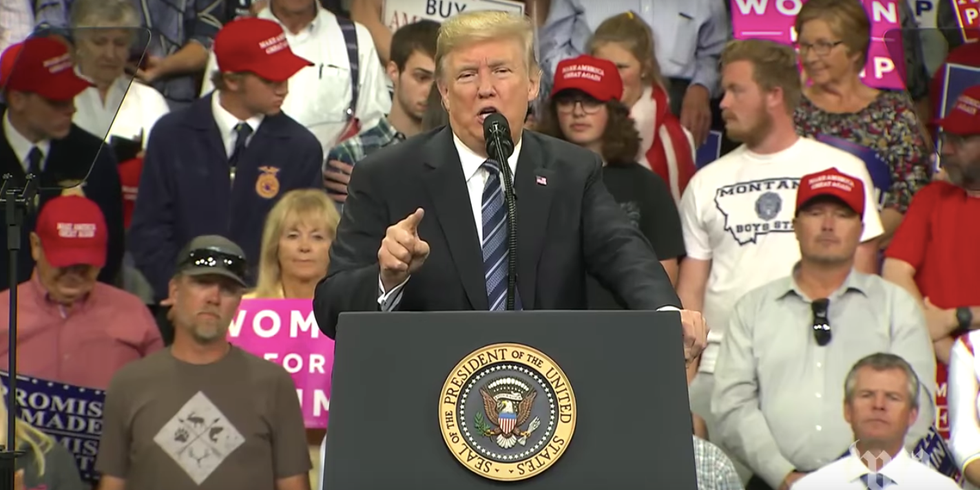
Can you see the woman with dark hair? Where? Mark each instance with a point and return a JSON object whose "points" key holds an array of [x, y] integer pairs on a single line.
{"points": [[585, 109]]}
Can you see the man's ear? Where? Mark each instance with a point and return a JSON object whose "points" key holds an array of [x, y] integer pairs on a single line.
{"points": [[392, 70], [36, 251], [534, 87]]}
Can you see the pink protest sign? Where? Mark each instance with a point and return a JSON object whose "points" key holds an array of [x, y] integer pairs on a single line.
{"points": [[285, 332], [773, 19]]}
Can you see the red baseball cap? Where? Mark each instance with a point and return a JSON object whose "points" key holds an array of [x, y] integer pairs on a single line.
{"points": [[595, 76], [259, 46], [72, 231], [964, 117], [831, 183], [41, 65]]}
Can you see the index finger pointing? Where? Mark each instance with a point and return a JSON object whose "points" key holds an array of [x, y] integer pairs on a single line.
{"points": [[411, 223]]}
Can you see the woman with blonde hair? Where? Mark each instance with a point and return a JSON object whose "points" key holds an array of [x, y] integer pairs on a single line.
{"points": [[296, 245], [666, 147], [45, 465]]}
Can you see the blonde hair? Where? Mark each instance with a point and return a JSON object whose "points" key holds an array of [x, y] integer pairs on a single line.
{"points": [[302, 204], [847, 19], [27, 437], [774, 65], [469, 28], [633, 34]]}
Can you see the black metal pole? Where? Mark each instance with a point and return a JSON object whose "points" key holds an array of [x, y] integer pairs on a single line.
{"points": [[17, 203]]}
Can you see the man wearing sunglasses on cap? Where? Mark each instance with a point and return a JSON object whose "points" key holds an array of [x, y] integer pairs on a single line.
{"points": [[203, 413], [780, 375]]}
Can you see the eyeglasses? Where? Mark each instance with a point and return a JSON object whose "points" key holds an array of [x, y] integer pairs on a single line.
{"points": [[207, 257], [822, 48], [957, 139], [589, 105], [821, 322]]}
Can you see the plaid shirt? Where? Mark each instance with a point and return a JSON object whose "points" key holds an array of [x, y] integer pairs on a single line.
{"points": [[354, 149], [715, 471]]}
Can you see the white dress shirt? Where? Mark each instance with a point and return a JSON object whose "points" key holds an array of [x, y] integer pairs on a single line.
{"points": [[476, 180], [320, 94], [130, 110], [226, 124], [904, 472], [22, 146]]}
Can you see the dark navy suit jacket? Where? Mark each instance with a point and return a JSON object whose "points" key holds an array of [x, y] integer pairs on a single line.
{"points": [[69, 160], [185, 189]]}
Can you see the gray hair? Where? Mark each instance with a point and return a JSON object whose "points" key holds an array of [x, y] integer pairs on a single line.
{"points": [[883, 361], [104, 13]]}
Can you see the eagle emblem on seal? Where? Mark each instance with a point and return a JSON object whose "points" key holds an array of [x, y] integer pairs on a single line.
{"points": [[507, 403]]}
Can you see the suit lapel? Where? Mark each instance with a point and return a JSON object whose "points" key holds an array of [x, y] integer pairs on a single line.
{"points": [[533, 206], [446, 184]]}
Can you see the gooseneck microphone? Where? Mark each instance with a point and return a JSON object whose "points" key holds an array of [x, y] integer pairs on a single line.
{"points": [[500, 146]]}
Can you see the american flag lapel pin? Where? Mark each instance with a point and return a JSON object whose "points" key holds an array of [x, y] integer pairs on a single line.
{"points": [[541, 180]]}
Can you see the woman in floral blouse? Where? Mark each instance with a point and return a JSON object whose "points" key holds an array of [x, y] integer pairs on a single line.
{"points": [[834, 36]]}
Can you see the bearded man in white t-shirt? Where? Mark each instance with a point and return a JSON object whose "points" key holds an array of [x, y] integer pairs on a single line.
{"points": [[737, 212]]}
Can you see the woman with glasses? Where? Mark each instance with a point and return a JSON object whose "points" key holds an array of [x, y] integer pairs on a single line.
{"points": [[586, 109], [665, 146], [834, 39]]}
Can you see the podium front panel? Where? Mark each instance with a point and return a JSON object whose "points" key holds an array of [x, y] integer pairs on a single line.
{"points": [[393, 371]]}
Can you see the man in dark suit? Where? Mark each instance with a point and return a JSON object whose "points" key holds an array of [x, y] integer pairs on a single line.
{"points": [[220, 165], [442, 180], [38, 136]]}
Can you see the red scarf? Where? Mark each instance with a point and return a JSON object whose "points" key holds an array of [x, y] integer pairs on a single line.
{"points": [[671, 156]]}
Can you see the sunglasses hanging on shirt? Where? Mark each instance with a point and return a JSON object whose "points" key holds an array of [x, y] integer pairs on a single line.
{"points": [[821, 321]]}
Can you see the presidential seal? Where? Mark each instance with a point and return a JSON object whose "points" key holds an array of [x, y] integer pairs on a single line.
{"points": [[507, 412]]}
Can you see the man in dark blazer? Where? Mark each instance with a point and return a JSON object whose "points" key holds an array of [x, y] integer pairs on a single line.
{"points": [[219, 166], [442, 180], [39, 88]]}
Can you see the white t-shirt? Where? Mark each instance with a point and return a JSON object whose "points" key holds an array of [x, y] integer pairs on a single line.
{"points": [[738, 212]]}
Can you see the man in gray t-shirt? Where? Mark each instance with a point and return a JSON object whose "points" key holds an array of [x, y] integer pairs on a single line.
{"points": [[204, 414]]}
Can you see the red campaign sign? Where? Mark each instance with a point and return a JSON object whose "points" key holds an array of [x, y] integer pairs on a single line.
{"points": [[968, 17]]}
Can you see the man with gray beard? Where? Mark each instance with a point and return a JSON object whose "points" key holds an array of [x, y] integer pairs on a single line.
{"points": [[203, 413], [779, 378], [933, 254]]}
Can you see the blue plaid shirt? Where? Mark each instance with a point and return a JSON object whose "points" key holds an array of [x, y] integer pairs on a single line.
{"points": [[354, 149]]}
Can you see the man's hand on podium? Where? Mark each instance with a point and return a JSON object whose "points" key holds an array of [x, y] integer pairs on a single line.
{"points": [[402, 251], [695, 334]]}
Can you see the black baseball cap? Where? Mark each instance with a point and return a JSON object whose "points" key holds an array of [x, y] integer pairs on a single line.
{"points": [[213, 255]]}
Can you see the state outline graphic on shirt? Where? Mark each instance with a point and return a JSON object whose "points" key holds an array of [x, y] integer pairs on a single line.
{"points": [[199, 437], [757, 207]]}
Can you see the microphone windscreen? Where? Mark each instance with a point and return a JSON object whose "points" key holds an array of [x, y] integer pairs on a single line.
{"points": [[496, 130]]}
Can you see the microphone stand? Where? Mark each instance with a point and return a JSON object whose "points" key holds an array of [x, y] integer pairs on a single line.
{"points": [[500, 154], [18, 203]]}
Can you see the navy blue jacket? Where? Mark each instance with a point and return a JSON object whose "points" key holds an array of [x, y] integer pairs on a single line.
{"points": [[185, 189], [69, 159]]}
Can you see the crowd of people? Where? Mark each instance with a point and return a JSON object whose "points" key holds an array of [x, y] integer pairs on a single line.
{"points": [[837, 285]]}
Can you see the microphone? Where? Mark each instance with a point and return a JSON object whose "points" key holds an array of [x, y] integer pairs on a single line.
{"points": [[500, 146]]}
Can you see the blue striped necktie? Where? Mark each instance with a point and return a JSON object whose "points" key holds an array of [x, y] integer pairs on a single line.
{"points": [[495, 240], [876, 481]]}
